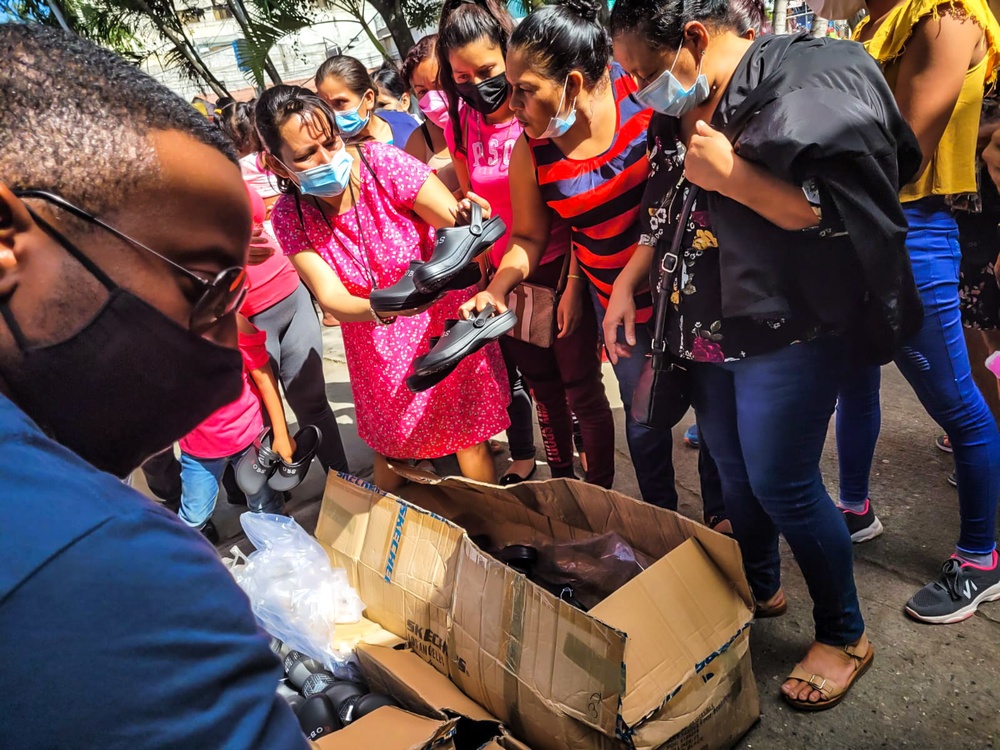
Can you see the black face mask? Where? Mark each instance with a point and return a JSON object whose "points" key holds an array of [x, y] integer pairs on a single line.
{"points": [[486, 97], [127, 385]]}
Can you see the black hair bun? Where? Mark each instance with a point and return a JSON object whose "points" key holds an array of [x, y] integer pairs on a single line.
{"points": [[588, 10]]}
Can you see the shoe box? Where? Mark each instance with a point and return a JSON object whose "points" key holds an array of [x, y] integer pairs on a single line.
{"points": [[661, 662]]}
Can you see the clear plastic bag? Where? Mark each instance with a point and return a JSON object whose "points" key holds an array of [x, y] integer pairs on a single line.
{"points": [[295, 594]]}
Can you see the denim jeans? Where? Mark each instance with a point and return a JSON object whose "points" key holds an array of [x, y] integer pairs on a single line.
{"points": [[936, 364], [295, 343], [766, 418], [200, 489], [652, 449], [859, 420]]}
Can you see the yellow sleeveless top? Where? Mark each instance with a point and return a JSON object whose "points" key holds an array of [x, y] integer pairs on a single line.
{"points": [[952, 167]]}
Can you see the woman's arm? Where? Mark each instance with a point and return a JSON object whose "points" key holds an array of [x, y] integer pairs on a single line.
{"points": [[528, 238], [267, 386], [932, 70], [329, 290], [621, 305], [712, 164]]}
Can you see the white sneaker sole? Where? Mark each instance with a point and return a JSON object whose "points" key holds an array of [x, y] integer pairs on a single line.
{"points": [[991, 594], [866, 535]]}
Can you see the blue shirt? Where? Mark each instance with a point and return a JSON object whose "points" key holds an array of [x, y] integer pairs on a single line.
{"points": [[401, 124], [119, 626]]}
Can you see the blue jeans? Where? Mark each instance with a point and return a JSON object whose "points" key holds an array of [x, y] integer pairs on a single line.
{"points": [[766, 419], [859, 420], [936, 364], [652, 449], [200, 489]]}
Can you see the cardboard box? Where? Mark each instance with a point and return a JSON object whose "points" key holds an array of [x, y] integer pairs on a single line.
{"points": [[420, 688], [663, 661], [392, 729]]}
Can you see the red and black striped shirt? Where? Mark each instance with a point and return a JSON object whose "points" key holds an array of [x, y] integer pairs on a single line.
{"points": [[601, 197]]}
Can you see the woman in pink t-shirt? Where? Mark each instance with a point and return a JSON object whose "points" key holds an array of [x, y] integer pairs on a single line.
{"points": [[352, 220], [565, 378]]}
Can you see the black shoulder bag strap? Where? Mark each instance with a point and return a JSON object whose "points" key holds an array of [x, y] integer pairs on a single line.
{"points": [[760, 97]]}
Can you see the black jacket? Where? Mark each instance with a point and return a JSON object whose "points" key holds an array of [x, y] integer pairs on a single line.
{"points": [[820, 109]]}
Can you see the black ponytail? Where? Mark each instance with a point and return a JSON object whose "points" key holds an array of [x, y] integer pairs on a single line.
{"points": [[662, 23], [464, 22], [559, 39]]}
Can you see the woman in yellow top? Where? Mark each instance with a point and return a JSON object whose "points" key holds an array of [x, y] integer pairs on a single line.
{"points": [[938, 58]]}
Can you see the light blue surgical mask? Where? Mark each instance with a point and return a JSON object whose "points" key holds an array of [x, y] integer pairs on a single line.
{"points": [[559, 126], [667, 96], [350, 122], [327, 180]]}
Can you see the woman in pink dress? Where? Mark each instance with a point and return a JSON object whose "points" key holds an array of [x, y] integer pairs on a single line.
{"points": [[352, 220]]}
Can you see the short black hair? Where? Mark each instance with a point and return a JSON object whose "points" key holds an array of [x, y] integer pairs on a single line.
{"points": [[662, 24], [389, 80], [75, 118]]}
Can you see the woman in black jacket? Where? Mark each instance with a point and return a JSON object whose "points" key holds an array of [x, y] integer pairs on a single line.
{"points": [[791, 256]]}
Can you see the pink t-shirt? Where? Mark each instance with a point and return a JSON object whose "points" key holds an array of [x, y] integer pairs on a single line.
{"points": [[235, 426], [273, 280], [488, 149]]}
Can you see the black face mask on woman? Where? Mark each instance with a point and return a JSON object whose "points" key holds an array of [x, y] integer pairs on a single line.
{"points": [[126, 385], [485, 97]]}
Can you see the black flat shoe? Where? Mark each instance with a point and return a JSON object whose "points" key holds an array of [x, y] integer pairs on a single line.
{"points": [[460, 339], [455, 248], [257, 464], [289, 476], [514, 478], [403, 295]]}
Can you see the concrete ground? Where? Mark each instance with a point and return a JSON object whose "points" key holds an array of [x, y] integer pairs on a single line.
{"points": [[931, 687]]}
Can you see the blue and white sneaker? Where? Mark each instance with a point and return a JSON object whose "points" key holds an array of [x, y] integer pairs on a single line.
{"points": [[957, 593], [691, 437]]}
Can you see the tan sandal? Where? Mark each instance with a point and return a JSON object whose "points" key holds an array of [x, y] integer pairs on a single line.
{"points": [[831, 693], [766, 610]]}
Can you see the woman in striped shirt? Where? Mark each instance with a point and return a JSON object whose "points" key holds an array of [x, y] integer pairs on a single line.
{"points": [[583, 160]]}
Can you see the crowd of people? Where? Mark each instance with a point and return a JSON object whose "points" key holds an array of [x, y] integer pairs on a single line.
{"points": [[791, 213]]}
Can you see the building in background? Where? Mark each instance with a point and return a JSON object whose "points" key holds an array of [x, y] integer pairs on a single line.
{"points": [[216, 35]]}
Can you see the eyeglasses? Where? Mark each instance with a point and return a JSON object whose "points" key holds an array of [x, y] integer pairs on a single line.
{"points": [[219, 297]]}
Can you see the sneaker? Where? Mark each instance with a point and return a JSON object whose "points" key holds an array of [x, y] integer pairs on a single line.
{"points": [[691, 437], [862, 526], [957, 594], [953, 479], [943, 443]]}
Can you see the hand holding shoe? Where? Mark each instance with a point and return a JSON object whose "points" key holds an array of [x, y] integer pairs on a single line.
{"points": [[480, 302], [284, 446], [462, 211]]}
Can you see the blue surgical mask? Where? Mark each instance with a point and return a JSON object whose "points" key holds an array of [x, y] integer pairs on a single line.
{"points": [[350, 122], [667, 96], [327, 180], [559, 126]]}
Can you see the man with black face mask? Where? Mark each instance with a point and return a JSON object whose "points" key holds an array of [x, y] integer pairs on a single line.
{"points": [[123, 235]]}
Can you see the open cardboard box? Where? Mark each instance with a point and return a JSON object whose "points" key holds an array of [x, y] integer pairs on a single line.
{"points": [[662, 662], [391, 729]]}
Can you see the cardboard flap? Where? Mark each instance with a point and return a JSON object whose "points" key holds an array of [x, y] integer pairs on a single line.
{"points": [[679, 616], [416, 685], [563, 509], [510, 636], [389, 729]]}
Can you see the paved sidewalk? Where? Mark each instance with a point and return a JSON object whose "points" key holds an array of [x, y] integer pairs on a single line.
{"points": [[931, 687]]}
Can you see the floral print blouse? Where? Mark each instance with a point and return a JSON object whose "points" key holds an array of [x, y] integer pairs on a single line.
{"points": [[696, 329]]}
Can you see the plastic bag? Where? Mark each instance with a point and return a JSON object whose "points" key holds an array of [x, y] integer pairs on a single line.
{"points": [[595, 568], [295, 594]]}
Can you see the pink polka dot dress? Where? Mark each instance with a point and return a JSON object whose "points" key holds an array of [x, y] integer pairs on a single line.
{"points": [[467, 407]]}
